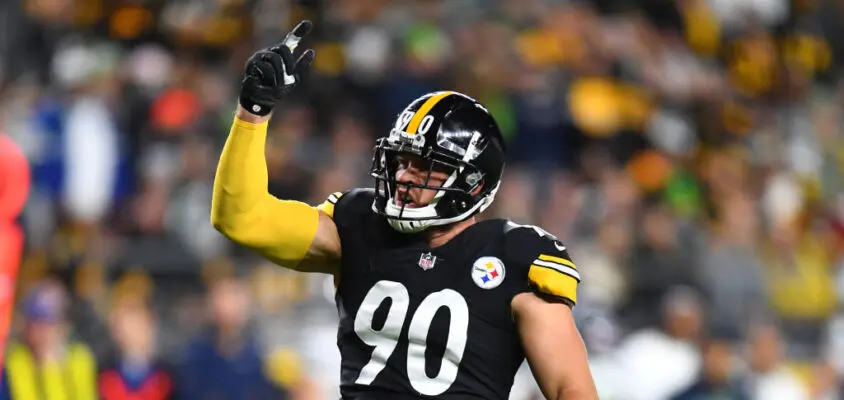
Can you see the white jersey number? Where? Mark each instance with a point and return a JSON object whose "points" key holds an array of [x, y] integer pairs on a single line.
{"points": [[384, 340]]}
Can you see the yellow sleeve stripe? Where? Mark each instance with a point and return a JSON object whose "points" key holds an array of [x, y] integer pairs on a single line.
{"points": [[334, 197], [327, 207], [557, 267], [426, 107], [558, 260], [552, 282]]}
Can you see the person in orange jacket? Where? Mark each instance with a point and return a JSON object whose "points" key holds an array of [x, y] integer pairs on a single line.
{"points": [[14, 189]]}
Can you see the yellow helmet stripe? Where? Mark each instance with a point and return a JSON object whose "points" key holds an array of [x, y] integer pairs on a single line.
{"points": [[413, 126]]}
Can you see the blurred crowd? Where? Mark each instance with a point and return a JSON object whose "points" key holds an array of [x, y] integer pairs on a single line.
{"points": [[689, 152]]}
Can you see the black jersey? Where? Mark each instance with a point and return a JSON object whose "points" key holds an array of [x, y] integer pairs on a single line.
{"points": [[422, 322]]}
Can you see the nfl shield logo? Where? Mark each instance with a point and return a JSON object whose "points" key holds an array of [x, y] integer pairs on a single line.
{"points": [[427, 260]]}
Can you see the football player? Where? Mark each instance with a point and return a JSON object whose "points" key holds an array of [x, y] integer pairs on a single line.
{"points": [[432, 302]]}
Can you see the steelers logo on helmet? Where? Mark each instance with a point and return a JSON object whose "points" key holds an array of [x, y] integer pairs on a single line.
{"points": [[449, 133]]}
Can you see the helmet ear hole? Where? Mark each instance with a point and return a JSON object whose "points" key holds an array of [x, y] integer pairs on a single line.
{"points": [[461, 202], [473, 178]]}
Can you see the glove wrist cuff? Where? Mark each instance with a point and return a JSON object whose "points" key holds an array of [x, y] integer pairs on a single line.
{"points": [[260, 110]]}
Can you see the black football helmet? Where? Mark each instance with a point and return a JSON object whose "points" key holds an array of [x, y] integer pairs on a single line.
{"points": [[454, 133]]}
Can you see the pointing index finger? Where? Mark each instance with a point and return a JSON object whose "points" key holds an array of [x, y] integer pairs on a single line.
{"points": [[295, 36]]}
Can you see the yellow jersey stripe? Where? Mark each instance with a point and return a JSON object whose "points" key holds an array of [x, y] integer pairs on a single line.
{"points": [[327, 207], [551, 282], [334, 197], [558, 260], [557, 267], [426, 107]]}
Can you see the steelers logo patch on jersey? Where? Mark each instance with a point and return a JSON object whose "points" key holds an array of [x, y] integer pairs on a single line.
{"points": [[488, 272]]}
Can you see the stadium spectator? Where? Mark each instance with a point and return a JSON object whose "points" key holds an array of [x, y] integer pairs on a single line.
{"points": [[226, 362], [667, 359], [46, 361], [717, 379], [769, 377], [134, 372]]}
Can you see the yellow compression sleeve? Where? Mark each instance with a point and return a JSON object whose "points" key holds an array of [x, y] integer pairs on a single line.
{"points": [[280, 230]]}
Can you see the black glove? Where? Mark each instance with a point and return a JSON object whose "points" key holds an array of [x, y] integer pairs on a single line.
{"points": [[273, 72]]}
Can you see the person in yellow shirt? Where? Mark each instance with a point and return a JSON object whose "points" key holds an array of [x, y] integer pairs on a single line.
{"points": [[45, 364]]}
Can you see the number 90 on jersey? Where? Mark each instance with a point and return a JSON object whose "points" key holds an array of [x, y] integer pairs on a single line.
{"points": [[385, 339]]}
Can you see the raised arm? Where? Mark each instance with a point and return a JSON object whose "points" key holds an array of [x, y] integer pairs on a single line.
{"points": [[289, 233]]}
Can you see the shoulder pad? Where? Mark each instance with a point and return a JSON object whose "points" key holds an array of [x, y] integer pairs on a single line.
{"points": [[551, 271], [352, 201]]}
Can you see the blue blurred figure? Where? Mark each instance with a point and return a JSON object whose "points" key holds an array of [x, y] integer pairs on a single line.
{"points": [[717, 380], [226, 362]]}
